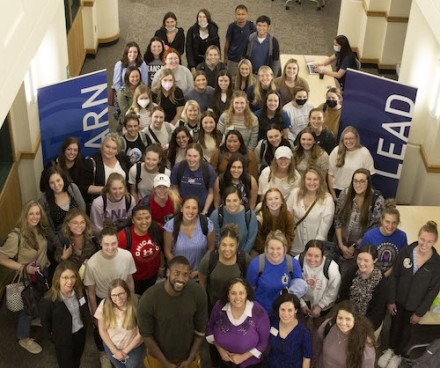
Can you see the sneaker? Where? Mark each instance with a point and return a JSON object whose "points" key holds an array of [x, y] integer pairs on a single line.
{"points": [[30, 345], [105, 361], [385, 358], [394, 362]]}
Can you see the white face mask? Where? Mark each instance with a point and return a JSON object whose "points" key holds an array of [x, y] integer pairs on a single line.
{"points": [[167, 85], [337, 48], [143, 102], [203, 25], [170, 29]]}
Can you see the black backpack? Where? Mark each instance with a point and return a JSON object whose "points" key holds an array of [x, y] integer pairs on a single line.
{"points": [[139, 172], [430, 358], [122, 222], [205, 172], [221, 217], [327, 263], [213, 260], [204, 224]]}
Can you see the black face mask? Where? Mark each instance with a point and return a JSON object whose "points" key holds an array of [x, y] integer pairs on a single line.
{"points": [[331, 103], [300, 102]]}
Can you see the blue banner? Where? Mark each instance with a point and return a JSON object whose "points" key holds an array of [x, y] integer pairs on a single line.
{"points": [[381, 110], [76, 107]]}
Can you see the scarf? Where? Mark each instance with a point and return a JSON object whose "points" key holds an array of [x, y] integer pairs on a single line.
{"points": [[361, 291]]}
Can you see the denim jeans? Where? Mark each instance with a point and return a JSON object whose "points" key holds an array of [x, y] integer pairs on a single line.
{"points": [[136, 357], [24, 323]]}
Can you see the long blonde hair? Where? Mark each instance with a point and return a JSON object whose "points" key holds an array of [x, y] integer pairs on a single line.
{"points": [[130, 320], [291, 171], [342, 150], [114, 177], [258, 89], [184, 115], [248, 116], [239, 79], [165, 72], [43, 227], [141, 90], [322, 190]]}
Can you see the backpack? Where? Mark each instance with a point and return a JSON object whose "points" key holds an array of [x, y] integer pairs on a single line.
{"points": [[128, 238], [144, 138], [376, 194], [430, 357], [327, 263], [327, 328], [139, 172], [221, 218], [204, 224], [205, 172], [261, 262], [214, 257], [122, 222]]}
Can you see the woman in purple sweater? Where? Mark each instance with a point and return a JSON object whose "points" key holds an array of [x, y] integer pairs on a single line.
{"points": [[238, 327]]}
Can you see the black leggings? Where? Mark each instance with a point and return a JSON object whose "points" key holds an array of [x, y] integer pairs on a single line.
{"points": [[400, 330], [96, 335], [70, 356]]}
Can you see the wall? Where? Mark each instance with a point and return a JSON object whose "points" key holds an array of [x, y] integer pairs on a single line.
{"points": [[34, 54], [376, 29], [420, 181]]}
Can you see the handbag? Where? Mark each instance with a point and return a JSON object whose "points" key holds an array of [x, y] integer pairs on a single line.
{"points": [[14, 301], [31, 295]]}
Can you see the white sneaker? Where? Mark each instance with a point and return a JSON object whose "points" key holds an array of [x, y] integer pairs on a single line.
{"points": [[30, 345], [394, 362], [385, 358]]}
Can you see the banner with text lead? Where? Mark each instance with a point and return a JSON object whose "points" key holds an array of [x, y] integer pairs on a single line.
{"points": [[76, 107], [381, 110]]}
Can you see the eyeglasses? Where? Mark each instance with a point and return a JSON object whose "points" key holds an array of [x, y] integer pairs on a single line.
{"points": [[359, 182], [68, 278], [118, 296]]}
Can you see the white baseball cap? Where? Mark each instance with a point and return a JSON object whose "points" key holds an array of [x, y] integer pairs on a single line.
{"points": [[161, 179]]}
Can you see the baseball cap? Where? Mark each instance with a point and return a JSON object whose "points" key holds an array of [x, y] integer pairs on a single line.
{"points": [[283, 151], [161, 179]]}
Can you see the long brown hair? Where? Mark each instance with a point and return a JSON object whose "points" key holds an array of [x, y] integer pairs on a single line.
{"points": [[345, 212], [215, 134], [315, 152], [271, 223], [342, 150], [71, 214], [54, 292], [361, 334]]}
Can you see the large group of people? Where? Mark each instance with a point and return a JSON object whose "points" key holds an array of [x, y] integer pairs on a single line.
{"points": [[224, 208]]}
